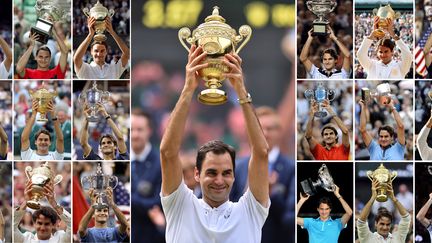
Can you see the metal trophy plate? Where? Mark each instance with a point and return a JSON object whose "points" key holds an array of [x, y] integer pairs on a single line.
{"points": [[40, 177], [99, 12], [92, 97], [382, 94], [320, 94], [43, 96], [383, 175], [99, 182], [48, 12], [321, 8], [217, 39], [325, 181]]}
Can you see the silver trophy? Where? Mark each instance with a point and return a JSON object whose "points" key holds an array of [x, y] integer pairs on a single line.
{"points": [[320, 94], [99, 12], [325, 181], [48, 12], [92, 97], [321, 8], [382, 94], [99, 182]]}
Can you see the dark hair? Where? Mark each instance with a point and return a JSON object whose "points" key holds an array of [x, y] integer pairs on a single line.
{"points": [[99, 43], [43, 48], [47, 212], [140, 112], [383, 213], [113, 139], [387, 128], [330, 51], [217, 147], [387, 42], [329, 126], [325, 200], [44, 131]]}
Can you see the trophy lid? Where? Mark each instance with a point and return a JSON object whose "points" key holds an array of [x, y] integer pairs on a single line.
{"points": [[214, 25]]}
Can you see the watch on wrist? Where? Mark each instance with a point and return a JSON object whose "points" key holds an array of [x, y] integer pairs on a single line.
{"points": [[247, 99]]}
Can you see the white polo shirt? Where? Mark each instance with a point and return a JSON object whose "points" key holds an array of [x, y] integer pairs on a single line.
{"points": [[4, 74], [318, 73], [191, 220], [376, 69], [366, 236], [30, 154], [424, 150], [107, 71]]}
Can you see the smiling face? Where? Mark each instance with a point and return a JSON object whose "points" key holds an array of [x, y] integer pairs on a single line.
{"points": [[99, 53], [44, 227], [385, 139], [385, 54], [329, 62], [329, 137], [108, 146], [324, 211], [43, 59], [101, 216], [383, 226], [216, 178], [42, 143]]}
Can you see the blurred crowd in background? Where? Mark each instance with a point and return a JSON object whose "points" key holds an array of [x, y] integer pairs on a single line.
{"points": [[6, 111]]}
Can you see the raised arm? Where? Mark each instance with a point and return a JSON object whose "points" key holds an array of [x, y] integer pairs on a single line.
{"points": [[82, 48], [22, 62], [406, 55], [402, 211], [367, 138], [19, 213], [348, 211], [85, 133], [309, 126], [57, 128], [120, 216], [362, 52], [85, 220], [3, 143], [122, 45], [345, 132], [364, 214], [63, 214], [25, 136], [63, 48], [399, 123], [422, 145], [304, 55], [421, 215], [300, 203], [171, 141], [258, 164], [2, 225], [121, 142], [346, 65], [8, 53], [427, 51]]}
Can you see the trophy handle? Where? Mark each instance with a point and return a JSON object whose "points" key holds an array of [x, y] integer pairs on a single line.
{"points": [[114, 180], [111, 13], [245, 31], [183, 34], [86, 12], [57, 179], [369, 175], [430, 169], [28, 169], [393, 176]]}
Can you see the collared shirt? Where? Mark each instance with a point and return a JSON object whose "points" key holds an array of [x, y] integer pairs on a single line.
{"points": [[110, 234], [323, 231], [394, 152], [376, 69], [422, 145], [190, 219], [93, 156], [30, 154], [55, 73], [366, 236], [318, 73], [107, 71], [59, 236], [4, 74], [337, 152]]}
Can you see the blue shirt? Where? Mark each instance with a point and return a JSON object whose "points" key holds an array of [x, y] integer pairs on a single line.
{"points": [[93, 156], [111, 235], [323, 231], [394, 152]]}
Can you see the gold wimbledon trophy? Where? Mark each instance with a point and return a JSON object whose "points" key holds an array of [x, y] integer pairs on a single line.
{"points": [[99, 12], [217, 39], [43, 96], [383, 175], [384, 12], [40, 177]]}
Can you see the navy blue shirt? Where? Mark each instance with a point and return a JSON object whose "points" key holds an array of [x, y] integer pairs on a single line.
{"points": [[93, 156]]}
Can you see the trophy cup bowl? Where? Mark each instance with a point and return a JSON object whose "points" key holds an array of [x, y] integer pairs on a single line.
{"points": [[383, 176], [92, 97], [382, 94], [99, 12], [43, 96], [99, 182], [39, 177], [320, 94], [325, 181], [321, 8], [217, 39], [48, 11], [384, 13]]}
